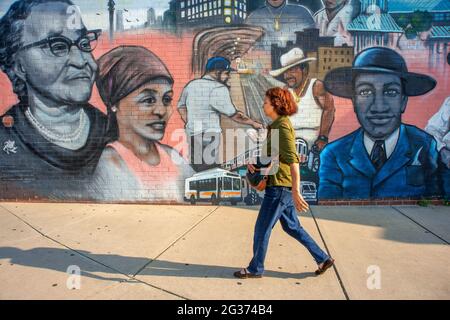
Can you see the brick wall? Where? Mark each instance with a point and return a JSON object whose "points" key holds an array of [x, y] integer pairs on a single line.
{"points": [[105, 126]]}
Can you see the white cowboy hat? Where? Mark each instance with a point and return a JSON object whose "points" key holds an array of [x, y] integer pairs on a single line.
{"points": [[292, 58]]}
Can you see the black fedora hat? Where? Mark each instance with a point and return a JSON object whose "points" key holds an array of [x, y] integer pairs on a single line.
{"points": [[339, 82]]}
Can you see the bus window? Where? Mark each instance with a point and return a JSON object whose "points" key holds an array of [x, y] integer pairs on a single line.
{"points": [[227, 183], [211, 184], [236, 184], [205, 185], [201, 185], [193, 185]]}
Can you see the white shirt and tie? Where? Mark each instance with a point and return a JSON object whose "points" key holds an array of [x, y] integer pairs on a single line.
{"points": [[389, 144]]}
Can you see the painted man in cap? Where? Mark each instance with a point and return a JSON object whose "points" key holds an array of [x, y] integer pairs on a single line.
{"points": [[316, 110], [280, 21], [52, 139], [201, 104], [385, 158]]}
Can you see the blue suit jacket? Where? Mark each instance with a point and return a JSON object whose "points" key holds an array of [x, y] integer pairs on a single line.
{"points": [[445, 177], [346, 170]]}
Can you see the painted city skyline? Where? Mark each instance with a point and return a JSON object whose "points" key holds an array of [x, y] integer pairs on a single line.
{"points": [[95, 13]]}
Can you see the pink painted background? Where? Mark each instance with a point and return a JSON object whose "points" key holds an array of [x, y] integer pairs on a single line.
{"points": [[176, 52]]}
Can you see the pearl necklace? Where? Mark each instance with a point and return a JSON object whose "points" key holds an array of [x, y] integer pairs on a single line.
{"points": [[56, 137]]}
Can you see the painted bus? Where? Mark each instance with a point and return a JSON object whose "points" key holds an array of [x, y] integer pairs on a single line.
{"points": [[215, 186], [309, 191]]}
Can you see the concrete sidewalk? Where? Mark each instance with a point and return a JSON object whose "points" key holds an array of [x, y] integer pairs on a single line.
{"points": [[190, 252]]}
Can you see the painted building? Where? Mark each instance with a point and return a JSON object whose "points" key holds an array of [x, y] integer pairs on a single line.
{"points": [[309, 41], [439, 9], [368, 4], [435, 31], [374, 26], [170, 16], [439, 39], [120, 21], [151, 17], [194, 13], [329, 58]]}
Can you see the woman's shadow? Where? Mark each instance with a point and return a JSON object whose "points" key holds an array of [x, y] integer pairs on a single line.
{"points": [[90, 264]]}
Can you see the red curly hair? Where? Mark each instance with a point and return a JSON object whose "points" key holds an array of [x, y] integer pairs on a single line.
{"points": [[282, 101]]}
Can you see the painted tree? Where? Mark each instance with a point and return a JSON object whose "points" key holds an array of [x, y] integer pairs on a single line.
{"points": [[415, 23]]}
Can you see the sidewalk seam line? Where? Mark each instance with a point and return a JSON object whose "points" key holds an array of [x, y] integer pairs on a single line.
{"points": [[420, 225], [175, 241], [341, 283], [91, 259]]}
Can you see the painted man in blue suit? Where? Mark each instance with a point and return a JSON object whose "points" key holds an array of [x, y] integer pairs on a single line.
{"points": [[384, 158]]}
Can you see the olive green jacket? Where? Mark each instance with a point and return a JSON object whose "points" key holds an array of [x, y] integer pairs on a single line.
{"points": [[285, 149]]}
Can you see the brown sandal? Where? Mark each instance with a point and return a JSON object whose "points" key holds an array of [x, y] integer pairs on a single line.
{"points": [[327, 264], [244, 274]]}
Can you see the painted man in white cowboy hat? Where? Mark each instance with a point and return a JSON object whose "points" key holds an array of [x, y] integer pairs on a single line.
{"points": [[316, 110], [385, 158]]}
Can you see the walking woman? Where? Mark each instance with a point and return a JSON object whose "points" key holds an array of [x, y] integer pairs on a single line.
{"points": [[282, 197]]}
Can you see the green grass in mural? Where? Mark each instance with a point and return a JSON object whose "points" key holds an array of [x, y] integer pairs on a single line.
{"points": [[424, 202]]}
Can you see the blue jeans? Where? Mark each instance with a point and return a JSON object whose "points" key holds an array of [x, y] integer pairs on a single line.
{"points": [[278, 205]]}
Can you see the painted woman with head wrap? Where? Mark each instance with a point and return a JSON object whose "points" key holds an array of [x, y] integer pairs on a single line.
{"points": [[136, 85]]}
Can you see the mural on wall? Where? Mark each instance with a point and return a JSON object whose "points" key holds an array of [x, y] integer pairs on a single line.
{"points": [[125, 101]]}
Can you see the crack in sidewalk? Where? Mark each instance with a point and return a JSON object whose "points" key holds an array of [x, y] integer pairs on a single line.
{"points": [[341, 283], [420, 225], [176, 240]]}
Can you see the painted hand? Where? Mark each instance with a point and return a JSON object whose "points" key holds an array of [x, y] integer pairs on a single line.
{"points": [[257, 126], [303, 158], [320, 144]]}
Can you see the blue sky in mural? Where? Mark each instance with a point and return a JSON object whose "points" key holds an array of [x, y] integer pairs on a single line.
{"points": [[137, 10]]}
